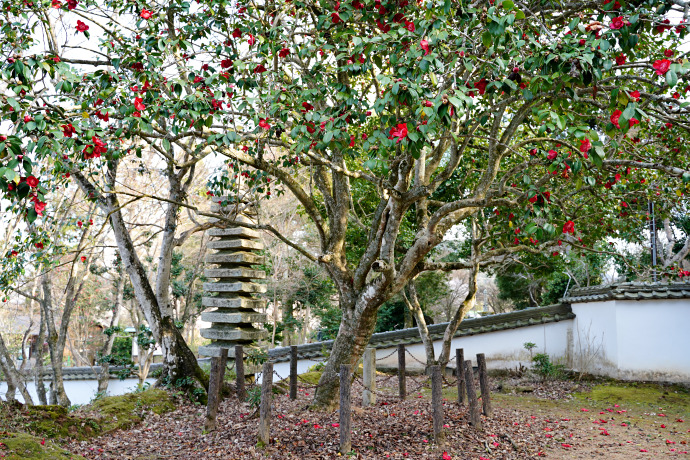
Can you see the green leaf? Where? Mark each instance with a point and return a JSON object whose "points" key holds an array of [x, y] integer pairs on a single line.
{"points": [[597, 156], [671, 78], [527, 94], [166, 145], [686, 177], [486, 39], [328, 136], [519, 14], [508, 5], [31, 215]]}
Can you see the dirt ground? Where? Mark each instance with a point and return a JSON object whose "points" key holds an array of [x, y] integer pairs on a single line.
{"points": [[558, 419]]}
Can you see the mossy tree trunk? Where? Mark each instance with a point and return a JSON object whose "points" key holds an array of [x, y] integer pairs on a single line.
{"points": [[178, 360]]}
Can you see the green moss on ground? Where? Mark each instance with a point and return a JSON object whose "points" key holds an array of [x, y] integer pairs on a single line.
{"points": [[56, 422], [642, 397], [22, 446], [124, 411], [104, 415]]}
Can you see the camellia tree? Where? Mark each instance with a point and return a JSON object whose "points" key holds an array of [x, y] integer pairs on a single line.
{"points": [[548, 124]]}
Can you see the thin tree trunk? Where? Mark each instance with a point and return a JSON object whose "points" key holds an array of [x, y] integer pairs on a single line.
{"points": [[14, 379], [38, 366], [416, 309], [104, 376], [58, 394], [178, 360]]}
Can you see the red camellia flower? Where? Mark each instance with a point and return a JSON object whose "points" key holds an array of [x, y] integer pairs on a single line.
{"points": [[409, 25], [39, 245], [481, 86], [399, 131], [661, 66], [81, 27], [636, 95], [226, 63], [68, 130], [425, 46], [617, 23], [552, 155], [620, 59], [83, 258], [569, 227], [71, 4], [251, 40], [96, 149], [632, 122], [146, 14], [39, 206], [585, 145], [284, 52], [668, 53], [615, 117], [259, 69], [237, 33], [139, 104], [307, 106], [335, 18], [264, 124], [32, 181]]}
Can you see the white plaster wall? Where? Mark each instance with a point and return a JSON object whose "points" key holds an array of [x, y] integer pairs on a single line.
{"points": [[503, 349], [595, 338], [637, 340], [654, 339]]}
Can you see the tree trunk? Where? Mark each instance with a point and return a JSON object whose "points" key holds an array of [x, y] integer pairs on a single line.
{"points": [[460, 313], [416, 309], [14, 378], [38, 366], [104, 376], [178, 360], [57, 389], [356, 327]]}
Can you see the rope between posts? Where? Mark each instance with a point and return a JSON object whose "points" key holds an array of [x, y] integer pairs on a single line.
{"points": [[387, 356]]}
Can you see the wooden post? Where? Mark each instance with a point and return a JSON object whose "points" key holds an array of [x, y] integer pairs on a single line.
{"points": [[293, 372], [213, 393], [437, 403], [484, 384], [475, 416], [459, 360], [265, 405], [402, 386], [239, 368], [222, 363], [369, 377], [345, 416]]}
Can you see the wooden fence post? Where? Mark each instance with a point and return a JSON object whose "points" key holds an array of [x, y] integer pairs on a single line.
{"points": [[459, 360], [239, 368], [293, 372], [402, 386], [221, 375], [484, 384], [475, 416], [369, 377], [215, 383], [345, 415], [437, 403], [265, 405]]}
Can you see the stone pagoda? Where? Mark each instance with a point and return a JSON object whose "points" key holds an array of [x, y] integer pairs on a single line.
{"points": [[233, 295]]}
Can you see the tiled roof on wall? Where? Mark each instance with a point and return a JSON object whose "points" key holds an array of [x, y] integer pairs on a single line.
{"points": [[629, 291], [503, 321]]}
